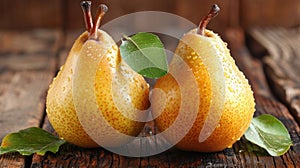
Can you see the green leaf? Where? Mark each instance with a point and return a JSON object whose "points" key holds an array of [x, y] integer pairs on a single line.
{"points": [[269, 133], [145, 54], [29, 141]]}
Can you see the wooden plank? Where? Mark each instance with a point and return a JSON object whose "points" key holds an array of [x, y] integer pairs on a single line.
{"points": [[266, 103], [242, 154], [282, 47], [269, 13], [30, 14], [29, 42], [72, 156], [25, 73], [67, 14], [12, 160]]}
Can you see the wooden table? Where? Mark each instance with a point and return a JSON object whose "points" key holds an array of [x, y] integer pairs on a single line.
{"points": [[30, 59]]}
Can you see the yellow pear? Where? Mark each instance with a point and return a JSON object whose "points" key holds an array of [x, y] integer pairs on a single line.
{"points": [[225, 105], [93, 82]]}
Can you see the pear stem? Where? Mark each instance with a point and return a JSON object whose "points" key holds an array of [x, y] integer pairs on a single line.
{"points": [[205, 20], [102, 9], [86, 8]]}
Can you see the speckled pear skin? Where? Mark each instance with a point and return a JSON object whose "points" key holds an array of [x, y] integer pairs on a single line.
{"points": [[239, 104], [60, 105]]}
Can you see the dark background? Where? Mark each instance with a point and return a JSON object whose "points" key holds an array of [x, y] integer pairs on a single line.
{"points": [[67, 14]]}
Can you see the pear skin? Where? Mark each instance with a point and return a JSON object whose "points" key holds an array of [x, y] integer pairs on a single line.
{"points": [[59, 102], [64, 96], [231, 107]]}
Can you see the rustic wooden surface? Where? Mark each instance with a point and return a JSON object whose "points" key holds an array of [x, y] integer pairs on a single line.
{"points": [[280, 49], [27, 61], [26, 70]]}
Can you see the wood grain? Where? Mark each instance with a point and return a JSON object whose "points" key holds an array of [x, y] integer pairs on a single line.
{"points": [[282, 66], [67, 14], [25, 73], [242, 154], [27, 65], [12, 160], [266, 103], [30, 14], [269, 13]]}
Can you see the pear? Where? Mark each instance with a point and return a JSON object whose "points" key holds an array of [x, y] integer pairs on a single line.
{"points": [[94, 68], [225, 104]]}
